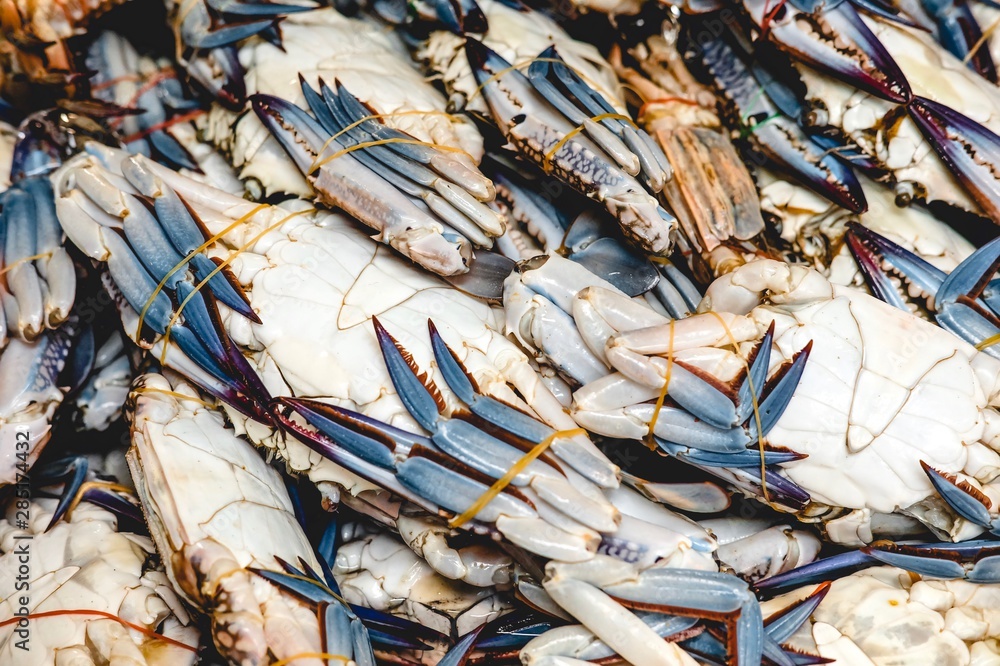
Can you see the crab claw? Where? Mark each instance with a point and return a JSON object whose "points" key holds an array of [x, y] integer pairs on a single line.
{"points": [[872, 251], [776, 136], [820, 571], [341, 631], [271, 9], [969, 149], [974, 561], [351, 179], [549, 118], [836, 41], [967, 501], [80, 485]]}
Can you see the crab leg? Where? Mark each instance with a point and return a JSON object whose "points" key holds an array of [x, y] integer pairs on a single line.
{"points": [[542, 134]]}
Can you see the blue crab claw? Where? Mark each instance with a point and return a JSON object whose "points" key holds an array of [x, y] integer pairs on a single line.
{"points": [[632, 148], [820, 571], [459, 653], [219, 72], [80, 485], [745, 458], [269, 9], [460, 16], [186, 233], [836, 41], [778, 392], [779, 489], [787, 621], [872, 251], [959, 32], [512, 421], [220, 35], [587, 155], [974, 561], [966, 500], [776, 136], [342, 631], [709, 595], [751, 387], [969, 149], [413, 217], [512, 631]]}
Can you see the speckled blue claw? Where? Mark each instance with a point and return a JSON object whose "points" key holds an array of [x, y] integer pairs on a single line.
{"points": [[872, 250], [554, 129], [974, 561], [820, 571], [776, 136], [512, 631], [968, 149], [837, 42]]}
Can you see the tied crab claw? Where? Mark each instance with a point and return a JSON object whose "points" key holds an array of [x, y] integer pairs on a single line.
{"points": [[964, 301], [500, 471], [554, 119], [39, 279], [153, 243], [426, 202]]}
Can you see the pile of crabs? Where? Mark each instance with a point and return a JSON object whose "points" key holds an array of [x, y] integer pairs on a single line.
{"points": [[471, 332]]}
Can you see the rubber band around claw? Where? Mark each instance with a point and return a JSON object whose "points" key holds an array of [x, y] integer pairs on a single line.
{"points": [[87, 485], [527, 63], [24, 260], [988, 342], [663, 391], [753, 402], [174, 394], [551, 152], [228, 260], [109, 616], [184, 262], [380, 142], [981, 41], [505, 480]]}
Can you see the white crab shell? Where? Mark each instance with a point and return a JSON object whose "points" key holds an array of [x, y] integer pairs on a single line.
{"points": [[85, 563], [886, 616]]}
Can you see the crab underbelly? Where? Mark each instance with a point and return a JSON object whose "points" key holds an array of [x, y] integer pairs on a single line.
{"points": [[882, 391]]}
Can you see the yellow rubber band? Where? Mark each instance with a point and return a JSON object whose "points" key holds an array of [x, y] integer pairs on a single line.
{"points": [[24, 260], [663, 392], [550, 153], [228, 260], [982, 40], [527, 63], [988, 342], [87, 485], [184, 262], [378, 142], [175, 394], [505, 480], [753, 402]]}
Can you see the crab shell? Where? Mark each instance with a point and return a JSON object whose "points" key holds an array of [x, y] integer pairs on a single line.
{"points": [[84, 562]]}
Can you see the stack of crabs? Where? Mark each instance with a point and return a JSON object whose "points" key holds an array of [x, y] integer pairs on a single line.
{"points": [[472, 332]]}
